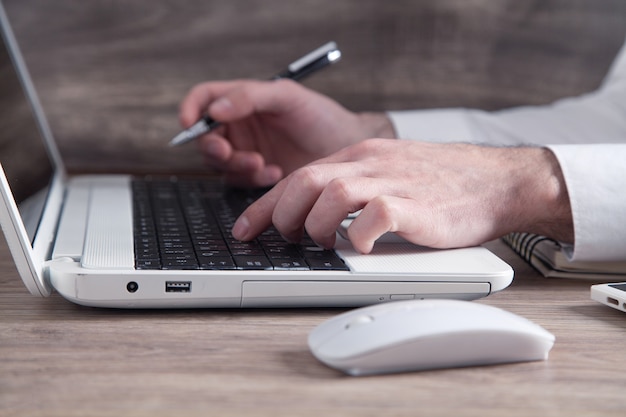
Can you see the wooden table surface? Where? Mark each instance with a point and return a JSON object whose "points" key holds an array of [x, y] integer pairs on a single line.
{"points": [[111, 74], [60, 359]]}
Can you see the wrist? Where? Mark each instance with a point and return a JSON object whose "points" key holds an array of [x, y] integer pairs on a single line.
{"points": [[549, 208]]}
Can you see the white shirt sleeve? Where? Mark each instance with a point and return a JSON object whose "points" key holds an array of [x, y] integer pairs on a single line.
{"points": [[588, 136]]}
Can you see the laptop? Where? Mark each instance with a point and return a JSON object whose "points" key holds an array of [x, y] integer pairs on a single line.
{"points": [[91, 238]]}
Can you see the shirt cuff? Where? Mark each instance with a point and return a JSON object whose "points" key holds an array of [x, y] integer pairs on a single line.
{"points": [[594, 176], [433, 125]]}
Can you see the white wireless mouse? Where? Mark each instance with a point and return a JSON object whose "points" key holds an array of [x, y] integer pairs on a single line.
{"points": [[416, 335]]}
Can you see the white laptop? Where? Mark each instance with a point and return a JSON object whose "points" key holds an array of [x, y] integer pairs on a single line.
{"points": [[90, 238]]}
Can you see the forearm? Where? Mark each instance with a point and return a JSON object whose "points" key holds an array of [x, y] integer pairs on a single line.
{"points": [[594, 174], [593, 169]]}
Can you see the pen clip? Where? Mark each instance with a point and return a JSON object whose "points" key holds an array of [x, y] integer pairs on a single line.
{"points": [[319, 58]]}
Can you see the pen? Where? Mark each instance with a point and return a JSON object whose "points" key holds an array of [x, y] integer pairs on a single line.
{"points": [[298, 69]]}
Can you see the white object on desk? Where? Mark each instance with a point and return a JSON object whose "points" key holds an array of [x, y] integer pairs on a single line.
{"points": [[610, 294], [426, 334]]}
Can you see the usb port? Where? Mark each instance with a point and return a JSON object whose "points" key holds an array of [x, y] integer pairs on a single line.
{"points": [[612, 300], [177, 286]]}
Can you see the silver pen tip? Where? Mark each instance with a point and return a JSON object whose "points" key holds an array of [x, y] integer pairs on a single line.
{"points": [[199, 128], [181, 138]]}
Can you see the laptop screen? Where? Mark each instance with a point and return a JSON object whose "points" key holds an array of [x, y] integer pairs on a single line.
{"points": [[23, 153]]}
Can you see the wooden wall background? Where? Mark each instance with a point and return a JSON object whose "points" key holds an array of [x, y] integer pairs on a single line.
{"points": [[111, 72]]}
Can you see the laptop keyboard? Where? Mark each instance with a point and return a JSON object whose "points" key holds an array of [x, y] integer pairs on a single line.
{"points": [[185, 224]]}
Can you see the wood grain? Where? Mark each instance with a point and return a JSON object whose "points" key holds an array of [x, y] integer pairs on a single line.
{"points": [[111, 74], [60, 359]]}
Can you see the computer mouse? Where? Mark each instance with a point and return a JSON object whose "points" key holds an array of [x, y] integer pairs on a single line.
{"points": [[402, 336]]}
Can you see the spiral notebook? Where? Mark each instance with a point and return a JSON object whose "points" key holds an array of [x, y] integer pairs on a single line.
{"points": [[548, 257]]}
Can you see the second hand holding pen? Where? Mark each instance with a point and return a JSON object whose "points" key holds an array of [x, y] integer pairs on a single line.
{"points": [[311, 62]]}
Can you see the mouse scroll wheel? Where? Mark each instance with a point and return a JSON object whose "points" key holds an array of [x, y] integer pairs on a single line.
{"points": [[359, 321]]}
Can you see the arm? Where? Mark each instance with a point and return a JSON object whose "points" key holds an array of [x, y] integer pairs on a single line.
{"points": [[436, 195], [597, 117], [459, 198], [595, 174], [439, 195]]}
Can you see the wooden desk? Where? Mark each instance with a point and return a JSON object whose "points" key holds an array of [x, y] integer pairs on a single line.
{"points": [[111, 74], [65, 360]]}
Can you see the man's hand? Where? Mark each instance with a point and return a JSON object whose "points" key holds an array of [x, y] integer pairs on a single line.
{"points": [[441, 196], [272, 128]]}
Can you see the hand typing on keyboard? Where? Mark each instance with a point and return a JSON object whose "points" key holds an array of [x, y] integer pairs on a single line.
{"points": [[327, 162], [186, 225]]}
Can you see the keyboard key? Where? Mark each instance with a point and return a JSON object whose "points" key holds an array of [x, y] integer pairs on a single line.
{"points": [[290, 265], [147, 264], [325, 264], [216, 262], [277, 250], [180, 263], [324, 260], [252, 262], [186, 225]]}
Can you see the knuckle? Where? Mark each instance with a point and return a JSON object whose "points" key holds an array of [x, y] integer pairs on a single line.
{"points": [[382, 209], [339, 191], [307, 177], [365, 148]]}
